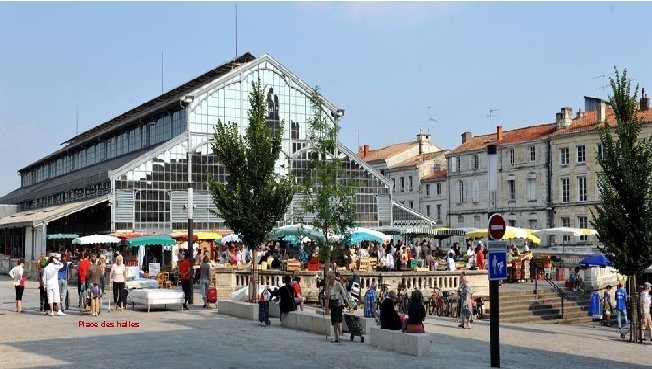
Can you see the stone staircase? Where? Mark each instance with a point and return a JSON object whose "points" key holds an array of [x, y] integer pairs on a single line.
{"points": [[525, 306]]}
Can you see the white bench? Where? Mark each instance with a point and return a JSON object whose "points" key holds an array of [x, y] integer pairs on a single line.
{"points": [[151, 297], [415, 344], [238, 309], [305, 321]]}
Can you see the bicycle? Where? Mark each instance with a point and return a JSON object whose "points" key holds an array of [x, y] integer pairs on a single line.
{"points": [[436, 302]]}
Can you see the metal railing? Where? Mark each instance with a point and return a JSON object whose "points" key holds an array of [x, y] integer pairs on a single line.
{"points": [[562, 294]]}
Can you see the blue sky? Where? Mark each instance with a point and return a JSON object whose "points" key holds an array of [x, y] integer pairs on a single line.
{"points": [[385, 63]]}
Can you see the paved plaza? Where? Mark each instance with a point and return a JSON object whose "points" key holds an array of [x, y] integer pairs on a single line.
{"points": [[201, 338]]}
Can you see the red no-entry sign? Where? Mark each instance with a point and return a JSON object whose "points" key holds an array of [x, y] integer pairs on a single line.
{"points": [[496, 227]]}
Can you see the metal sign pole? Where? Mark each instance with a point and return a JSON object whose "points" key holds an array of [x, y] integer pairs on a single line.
{"points": [[494, 333]]}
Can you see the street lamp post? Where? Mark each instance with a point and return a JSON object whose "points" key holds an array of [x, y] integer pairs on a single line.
{"points": [[186, 101]]}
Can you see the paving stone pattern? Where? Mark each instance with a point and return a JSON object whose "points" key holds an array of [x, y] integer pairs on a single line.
{"points": [[201, 338]]}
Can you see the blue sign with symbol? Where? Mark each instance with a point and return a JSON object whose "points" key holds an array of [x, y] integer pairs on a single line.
{"points": [[497, 265]]}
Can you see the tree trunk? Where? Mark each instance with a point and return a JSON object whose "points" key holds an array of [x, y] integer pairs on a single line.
{"points": [[635, 335], [254, 281]]}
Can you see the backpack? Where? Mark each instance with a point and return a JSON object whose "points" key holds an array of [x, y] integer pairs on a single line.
{"points": [[265, 295]]}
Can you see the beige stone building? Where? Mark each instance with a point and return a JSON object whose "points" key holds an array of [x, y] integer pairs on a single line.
{"points": [[405, 164], [575, 147], [434, 196], [522, 179]]}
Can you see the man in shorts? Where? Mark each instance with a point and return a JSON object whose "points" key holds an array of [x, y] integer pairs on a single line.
{"points": [[51, 284]]}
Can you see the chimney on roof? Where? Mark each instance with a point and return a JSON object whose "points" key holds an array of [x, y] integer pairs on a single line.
{"points": [[363, 151], [645, 103], [564, 118], [580, 114], [466, 136], [602, 111], [424, 140], [499, 133]]}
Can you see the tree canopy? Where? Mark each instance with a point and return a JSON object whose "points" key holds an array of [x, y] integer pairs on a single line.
{"points": [[623, 218], [254, 197], [328, 197]]}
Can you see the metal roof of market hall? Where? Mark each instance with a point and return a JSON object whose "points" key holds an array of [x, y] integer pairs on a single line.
{"points": [[161, 102]]}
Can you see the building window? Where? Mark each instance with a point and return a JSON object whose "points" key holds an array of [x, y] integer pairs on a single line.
{"points": [[475, 162], [583, 222], [453, 164], [533, 223], [427, 210], [428, 190], [600, 151], [438, 188], [564, 157], [439, 212], [460, 221], [533, 153], [581, 154], [394, 183], [532, 189], [511, 156], [476, 221], [460, 186], [459, 164], [410, 183], [581, 189], [476, 192], [402, 184], [511, 188], [565, 190], [565, 222], [411, 204]]}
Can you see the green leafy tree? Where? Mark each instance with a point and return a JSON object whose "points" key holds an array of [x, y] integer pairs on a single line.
{"points": [[328, 197], [623, 218], [254, 197]]}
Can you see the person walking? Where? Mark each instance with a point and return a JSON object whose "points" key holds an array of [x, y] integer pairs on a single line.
{"points": [[204, 279], [286, 297], [646, 321], [336, 293], [607, 306], [17, 273], [63, 283], [464, 293], [117, 278], [93, 277], [82, 270], [621, 304], [102, 265], [185, 275], [371, 302], [51, 284]]}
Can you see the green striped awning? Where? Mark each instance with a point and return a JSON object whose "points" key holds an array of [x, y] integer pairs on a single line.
{"points": [[434, 232]]}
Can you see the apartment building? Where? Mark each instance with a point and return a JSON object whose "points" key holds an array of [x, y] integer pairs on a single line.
{"points": [[522, 180], [405, 165], [575, 148], [434, 195]]}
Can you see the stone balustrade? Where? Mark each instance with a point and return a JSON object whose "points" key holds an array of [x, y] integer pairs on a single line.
{"points": [[228, 281]]}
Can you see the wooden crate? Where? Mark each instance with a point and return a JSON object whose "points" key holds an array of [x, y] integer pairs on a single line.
{"points": [[293, 265]]}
